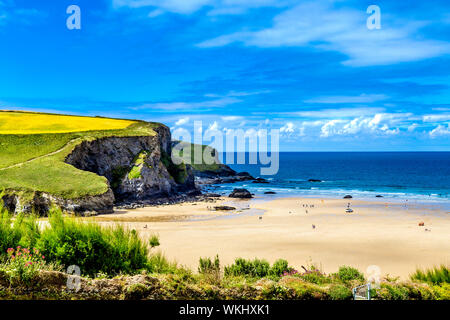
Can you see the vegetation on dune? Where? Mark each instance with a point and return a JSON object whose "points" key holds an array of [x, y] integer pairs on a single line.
{"points": [[436, 275], [68, 241], [41, 157], [257, 268]]}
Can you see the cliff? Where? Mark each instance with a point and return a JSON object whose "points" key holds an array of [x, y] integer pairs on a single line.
{"points": [[136, 168]]}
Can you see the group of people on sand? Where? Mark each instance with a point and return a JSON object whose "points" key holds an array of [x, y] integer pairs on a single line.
{"points": [[307, 206]]}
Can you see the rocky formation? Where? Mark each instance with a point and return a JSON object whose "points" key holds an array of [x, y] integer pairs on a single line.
{"points": [[223, 175], [224, 208], [41, 202], [348, 197], [260, 180], [137, 168], [240, 193]]}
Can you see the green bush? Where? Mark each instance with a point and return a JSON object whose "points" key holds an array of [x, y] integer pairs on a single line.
{"points": [[158, 263], [256, 268], [23, 231], [154, 241], [206, 265], [210, 270], [442, 291], [347, 273], [314, 276], [436, 275], [340, 292], [23, 265], [93, 248], [389, 291], [279, 267]]}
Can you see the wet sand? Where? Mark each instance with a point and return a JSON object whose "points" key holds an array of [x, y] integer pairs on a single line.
{"points": [[376, 233]]}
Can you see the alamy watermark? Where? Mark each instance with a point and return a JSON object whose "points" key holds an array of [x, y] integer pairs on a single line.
{"points": [[73, 279], [73, 22], [374, 20]]}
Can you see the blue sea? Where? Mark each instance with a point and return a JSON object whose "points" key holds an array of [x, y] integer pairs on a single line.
{"points": [[422, 176]]}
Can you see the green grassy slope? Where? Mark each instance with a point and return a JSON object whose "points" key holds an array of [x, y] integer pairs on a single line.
{"points": [[35, 162]]}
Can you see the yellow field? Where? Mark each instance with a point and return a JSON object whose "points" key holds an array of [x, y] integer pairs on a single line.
{"points": [[34, 123]]}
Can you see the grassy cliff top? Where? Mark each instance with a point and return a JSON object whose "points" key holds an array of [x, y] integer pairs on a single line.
{"points": [[14, 122], [33, 147]]}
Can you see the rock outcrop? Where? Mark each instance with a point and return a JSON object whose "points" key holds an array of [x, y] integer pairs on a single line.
{"points": [[136, 168], [240, 193]]}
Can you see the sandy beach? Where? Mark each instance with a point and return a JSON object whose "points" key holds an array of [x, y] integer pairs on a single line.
{"points": [[302, 231]]}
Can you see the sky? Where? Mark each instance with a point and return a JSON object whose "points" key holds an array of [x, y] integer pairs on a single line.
{"points": [[311, 69]]}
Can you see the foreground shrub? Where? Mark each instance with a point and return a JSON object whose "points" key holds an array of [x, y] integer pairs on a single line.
{"points": [[442, 292], [23, 231], [402, 291], [314, 276], [340, 292], [258, 268], [206, 265], [158, 263], [23, 265], [93, 248], [279, 268], [436, 275], [210, 269], [346, 273], [304, 290]]}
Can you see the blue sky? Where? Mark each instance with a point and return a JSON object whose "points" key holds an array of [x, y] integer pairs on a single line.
{"points": [[309, 68]]}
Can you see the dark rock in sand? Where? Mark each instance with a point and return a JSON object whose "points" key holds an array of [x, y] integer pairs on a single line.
{"points": [[314, 180], [270, 192], [348, 197], [224, 208], [378, 196], [212, 195], [240, 193]]}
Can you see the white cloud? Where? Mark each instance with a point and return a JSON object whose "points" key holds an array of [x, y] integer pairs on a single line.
{"points": [[182, 121], [231, 118], [218, 7], [171, 106], [436, 117], [155, 13], [288, 128], [338, 113], [319, 25], [412, 127], [378, 124], [177, 6], [363, 98], [440, 130]]}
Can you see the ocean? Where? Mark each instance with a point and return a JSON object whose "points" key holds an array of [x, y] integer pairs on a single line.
{"points": [[422, 176]]}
